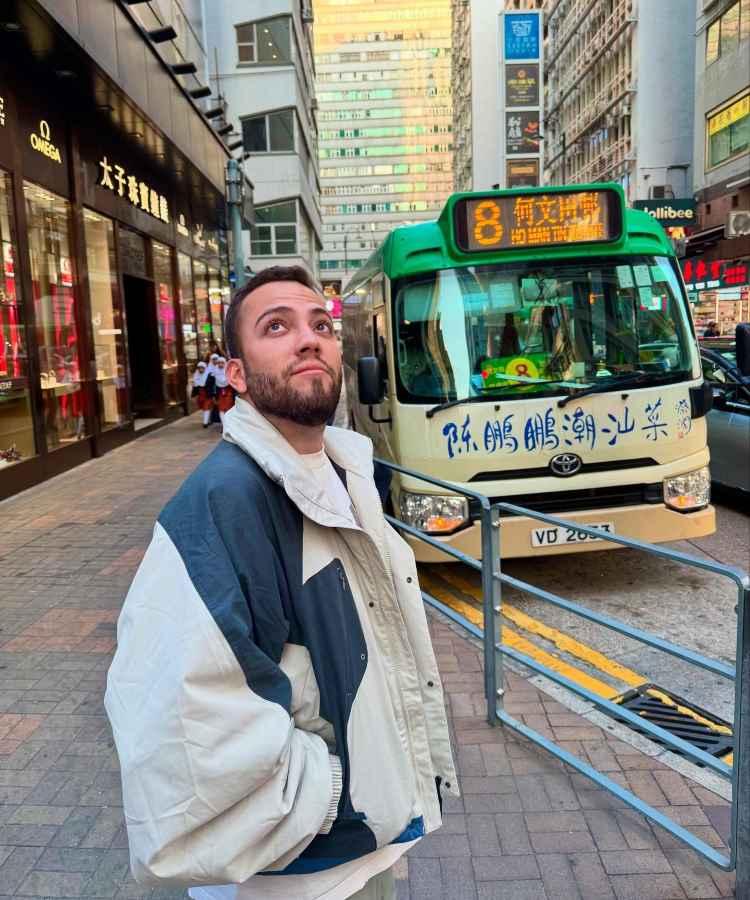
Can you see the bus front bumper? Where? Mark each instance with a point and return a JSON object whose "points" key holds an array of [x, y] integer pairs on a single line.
{"points": [[522, 536]]}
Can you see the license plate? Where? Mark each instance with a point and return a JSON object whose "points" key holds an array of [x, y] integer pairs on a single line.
{"points": [[557, 536]]}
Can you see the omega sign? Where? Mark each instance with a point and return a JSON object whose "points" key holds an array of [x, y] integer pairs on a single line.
{"points": [[42, 142]]}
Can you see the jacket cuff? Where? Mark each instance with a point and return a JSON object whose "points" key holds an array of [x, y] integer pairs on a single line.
{"points": [[337, 783]]}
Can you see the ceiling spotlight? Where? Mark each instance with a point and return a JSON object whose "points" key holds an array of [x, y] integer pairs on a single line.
{"points": [[65, 73], [199, 93], [10, 26], [214, 113], [184, 68], [159, 35], [235, 145], [224, 130]]}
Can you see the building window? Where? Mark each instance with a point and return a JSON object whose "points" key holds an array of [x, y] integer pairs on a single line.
{"points": [[215, 297], [64, 407], [728, 131], [106, 320], [16, 424], [275, 231], [723, 36], [271, 133], [265, 42]]}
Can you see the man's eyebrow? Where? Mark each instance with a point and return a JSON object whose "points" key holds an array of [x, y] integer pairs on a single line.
{"points": [[274, 310]]}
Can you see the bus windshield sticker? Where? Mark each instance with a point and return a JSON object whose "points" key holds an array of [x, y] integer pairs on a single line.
{"points": [[537, 220], [624, 276], [642, 275], [648, 299], [503, 296]]}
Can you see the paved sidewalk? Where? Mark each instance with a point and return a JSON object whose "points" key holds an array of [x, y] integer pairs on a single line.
{"points": [[525, 829]]}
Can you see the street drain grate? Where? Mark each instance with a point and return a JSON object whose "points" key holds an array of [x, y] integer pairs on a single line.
{"points": [[679, 717]]}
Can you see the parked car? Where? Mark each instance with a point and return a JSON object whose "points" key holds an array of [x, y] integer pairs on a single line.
{"points": [[729, 420]]}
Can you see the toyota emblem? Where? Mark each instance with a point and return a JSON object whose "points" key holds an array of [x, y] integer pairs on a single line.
{"points": [[565, 464]]}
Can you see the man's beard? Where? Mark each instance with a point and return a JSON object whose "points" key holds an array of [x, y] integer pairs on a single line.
{"points": [[275, 396]]}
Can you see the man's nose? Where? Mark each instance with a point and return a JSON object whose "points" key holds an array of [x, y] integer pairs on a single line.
{"points": [[309, 340]]}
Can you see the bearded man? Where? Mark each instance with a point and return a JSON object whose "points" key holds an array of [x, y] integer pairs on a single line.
{"points": [[274, 697]]}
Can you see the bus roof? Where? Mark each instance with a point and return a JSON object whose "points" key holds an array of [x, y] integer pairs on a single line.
{"points": [[428, 246]]}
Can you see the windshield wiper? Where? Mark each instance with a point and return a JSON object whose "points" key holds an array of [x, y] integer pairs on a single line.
{"points": [[478, 398], [632, 379]]}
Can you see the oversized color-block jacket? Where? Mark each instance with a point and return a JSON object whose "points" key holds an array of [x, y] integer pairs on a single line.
{"points": [[274, 696]]}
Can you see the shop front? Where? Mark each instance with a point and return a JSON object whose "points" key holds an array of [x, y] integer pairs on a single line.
{"points": [[719, 293], [114, 271]]}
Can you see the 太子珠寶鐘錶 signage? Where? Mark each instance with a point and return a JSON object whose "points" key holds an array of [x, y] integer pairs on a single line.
{"points": [[137, 192]]}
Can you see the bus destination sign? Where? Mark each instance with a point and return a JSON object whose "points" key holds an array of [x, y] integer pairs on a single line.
{"points": [[537, 219]]}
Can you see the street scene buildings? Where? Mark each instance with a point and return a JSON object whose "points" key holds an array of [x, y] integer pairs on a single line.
{"points": [[530, 224]]}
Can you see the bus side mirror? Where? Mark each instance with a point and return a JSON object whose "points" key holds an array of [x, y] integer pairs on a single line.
{"points": [[742, 334], [370, 381]]}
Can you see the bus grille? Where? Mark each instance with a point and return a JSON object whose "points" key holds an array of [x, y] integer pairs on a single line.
{"points": [[560, 502]]}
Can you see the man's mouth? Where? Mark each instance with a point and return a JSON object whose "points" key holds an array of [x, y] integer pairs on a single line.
{"points": [[313, 369]]}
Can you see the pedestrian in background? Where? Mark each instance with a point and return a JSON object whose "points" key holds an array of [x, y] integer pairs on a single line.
{"points": [[275, 698], [198, 392]]}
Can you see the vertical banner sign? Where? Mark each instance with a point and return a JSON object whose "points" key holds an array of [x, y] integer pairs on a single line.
{"points": [[521, 75]]}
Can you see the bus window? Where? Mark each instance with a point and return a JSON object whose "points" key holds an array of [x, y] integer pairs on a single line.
{"points": [[523, 328]]}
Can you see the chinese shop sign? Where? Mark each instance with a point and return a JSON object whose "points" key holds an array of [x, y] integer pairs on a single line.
{"points": [[138, 193], [716, 273], [521, 85]]}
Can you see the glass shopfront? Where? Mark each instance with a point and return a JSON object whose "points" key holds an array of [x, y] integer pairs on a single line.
{"points": [[215, 297], [200, 274], [165, 308], [106, 320], [187, 311], [66, 418], [16, 423]]}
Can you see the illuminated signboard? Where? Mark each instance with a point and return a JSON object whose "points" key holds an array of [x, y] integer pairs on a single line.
{"points": [[536, 220], [114, 178]]}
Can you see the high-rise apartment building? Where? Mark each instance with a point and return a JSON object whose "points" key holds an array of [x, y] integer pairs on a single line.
{"points": [[385, 119], [717, 268], [619, 94], [261, 63]]}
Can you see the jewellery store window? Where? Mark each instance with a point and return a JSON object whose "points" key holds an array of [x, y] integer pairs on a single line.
{"points": [[106, 321], [66, 418], [16, 422], [165, 298]]}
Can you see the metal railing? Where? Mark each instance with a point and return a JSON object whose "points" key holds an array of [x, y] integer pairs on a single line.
{"points": [[493, 578]]}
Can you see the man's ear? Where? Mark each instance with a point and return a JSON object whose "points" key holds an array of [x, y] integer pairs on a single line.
{"points": [[236, 375]]}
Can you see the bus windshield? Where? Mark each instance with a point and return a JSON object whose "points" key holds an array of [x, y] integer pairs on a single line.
{"points": [[533, 327]]}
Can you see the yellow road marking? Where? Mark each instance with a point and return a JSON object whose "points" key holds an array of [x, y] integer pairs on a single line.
{"points": [[686, 711], [561, 640], [511, 639]]}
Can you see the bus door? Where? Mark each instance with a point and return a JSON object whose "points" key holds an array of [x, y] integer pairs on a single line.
{"points": [[380, 424]]}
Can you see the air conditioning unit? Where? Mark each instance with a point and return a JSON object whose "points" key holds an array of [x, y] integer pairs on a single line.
{"points": [[308, 16], [738, 223]]}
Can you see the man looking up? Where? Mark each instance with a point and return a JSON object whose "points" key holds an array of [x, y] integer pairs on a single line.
{"points": [[274, 696]]}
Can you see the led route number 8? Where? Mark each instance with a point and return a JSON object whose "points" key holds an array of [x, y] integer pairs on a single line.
{"points": [[487, 226]]}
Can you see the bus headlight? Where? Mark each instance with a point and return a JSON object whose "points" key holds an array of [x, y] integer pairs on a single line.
{"points": [[433, 513], [688, 492]]}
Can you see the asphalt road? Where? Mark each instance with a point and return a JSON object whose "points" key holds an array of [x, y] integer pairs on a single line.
{"points": [[682, 604]]}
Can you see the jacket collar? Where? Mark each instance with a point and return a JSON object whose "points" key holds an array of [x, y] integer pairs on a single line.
{"points": [[253, 433]]}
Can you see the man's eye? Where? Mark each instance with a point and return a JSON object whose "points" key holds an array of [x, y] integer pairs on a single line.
{"points": [[325, 325], [275, 326]]}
